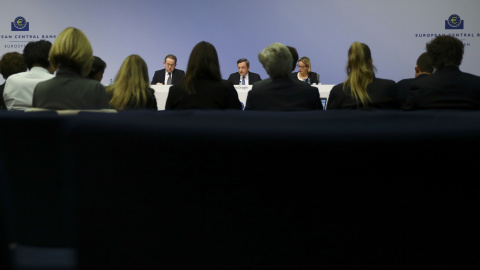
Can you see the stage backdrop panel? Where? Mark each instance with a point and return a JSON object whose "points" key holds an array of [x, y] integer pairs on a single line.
{"points": [[396, 31]]}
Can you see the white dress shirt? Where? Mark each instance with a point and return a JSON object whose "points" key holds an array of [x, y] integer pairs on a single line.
{"points": [[19, 88]]}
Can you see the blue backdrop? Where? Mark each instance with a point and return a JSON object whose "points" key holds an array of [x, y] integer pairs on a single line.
{"points": [[396, 31]]}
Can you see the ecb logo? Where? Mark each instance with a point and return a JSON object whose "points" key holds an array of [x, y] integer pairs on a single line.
{"points": [[20, 24], [454, 22]]}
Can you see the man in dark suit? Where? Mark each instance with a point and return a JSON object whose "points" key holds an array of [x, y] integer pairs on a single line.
{"points": [[423, 68], [447, 87], [243, 76], [280, 92], [169, 75]]}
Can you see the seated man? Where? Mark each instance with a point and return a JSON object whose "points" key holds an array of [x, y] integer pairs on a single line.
{"points": [[280, 92], [169, 75], [423, 68], [10, 63], [243, 76], [447, 87], [19, 87], [98, 68]]}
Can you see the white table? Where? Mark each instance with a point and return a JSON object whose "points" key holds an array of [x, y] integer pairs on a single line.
{"points": [[161, 93]]}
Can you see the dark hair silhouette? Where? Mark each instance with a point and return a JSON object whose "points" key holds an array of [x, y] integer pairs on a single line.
{"points": [[202, 64], [445, 51], [36, 53]]}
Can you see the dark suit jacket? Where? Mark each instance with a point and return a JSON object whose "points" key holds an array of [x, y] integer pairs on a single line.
{"points": [[402, 88], [220, 95], [312, 76], [446, 88], [252, 78], [382, 93], [69, 91], [283, 94], [159, 76], [2, 102]]}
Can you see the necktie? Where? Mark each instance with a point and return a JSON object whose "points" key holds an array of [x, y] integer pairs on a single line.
{"points": [[169, 80], [243, 80]]}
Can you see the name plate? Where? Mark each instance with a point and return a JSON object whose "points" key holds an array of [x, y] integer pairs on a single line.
{"points": [[243, 87]]}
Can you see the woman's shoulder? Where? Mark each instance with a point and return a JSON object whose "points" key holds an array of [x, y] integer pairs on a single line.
{"points": [[384, 81], [177, 86], [90, 83], [382, 84], [226, 83], [337, 87], [217, 84], [43, 84]]}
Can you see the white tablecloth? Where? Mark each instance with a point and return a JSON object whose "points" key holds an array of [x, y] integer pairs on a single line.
{"points": [[161, 93]]}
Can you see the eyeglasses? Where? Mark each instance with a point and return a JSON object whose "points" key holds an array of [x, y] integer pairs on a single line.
{"points": [[301, 66]]}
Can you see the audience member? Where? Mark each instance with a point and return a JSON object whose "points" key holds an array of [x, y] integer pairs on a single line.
{"points": [[294, 53], [131, 89], [280, 92], [10, 63], [447, 87], [423, 68], [244, 76], [361, 89], [19, 87], [98, 68], [169, 75], [305, 73], [203, 87], [72, 55]]}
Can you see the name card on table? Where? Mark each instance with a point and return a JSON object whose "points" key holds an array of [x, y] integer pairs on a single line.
{"points": [[242, 91], [161, 94]]}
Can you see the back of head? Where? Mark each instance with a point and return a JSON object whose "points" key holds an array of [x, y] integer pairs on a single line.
{"points": [[36, 53], [294, 54], [277, 60], [11, 63], [202, 64], [306, 61], [98, 66], [360, 72], [424, 63], [72, 49], [131, 82], [445, 51]]}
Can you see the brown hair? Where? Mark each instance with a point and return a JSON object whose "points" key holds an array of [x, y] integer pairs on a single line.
{"points": [[202, 64]]}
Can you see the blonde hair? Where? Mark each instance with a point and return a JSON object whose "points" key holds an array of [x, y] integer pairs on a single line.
{"points": [[306, 61], [131, 82], [360, 72], [72, 49]]}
